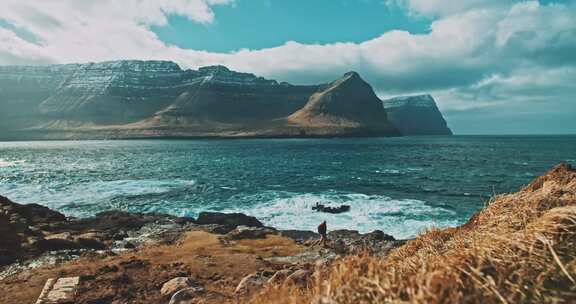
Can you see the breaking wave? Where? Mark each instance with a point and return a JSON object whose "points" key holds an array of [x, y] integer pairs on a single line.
{"points": [[402, 218]]}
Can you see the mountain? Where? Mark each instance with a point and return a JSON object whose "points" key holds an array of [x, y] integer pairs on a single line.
{"points": [[416, 115], [141, 99], [347, 105]]}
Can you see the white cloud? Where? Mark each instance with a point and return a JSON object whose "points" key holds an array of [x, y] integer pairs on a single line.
{"points": [[448, 7], [478, 53], [82, 30]]}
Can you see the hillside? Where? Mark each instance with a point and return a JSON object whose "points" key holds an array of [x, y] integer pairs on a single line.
{"points": [[144, 99], [518, 249]]}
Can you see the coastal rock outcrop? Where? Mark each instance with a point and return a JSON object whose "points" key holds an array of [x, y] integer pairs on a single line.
{"points": [[231, 220], [416, 115], [135, 99]]}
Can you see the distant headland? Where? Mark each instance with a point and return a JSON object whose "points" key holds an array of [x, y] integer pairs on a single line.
{"points": [[157, 99]]}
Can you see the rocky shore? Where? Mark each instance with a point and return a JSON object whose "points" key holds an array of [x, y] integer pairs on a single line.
{"points": [[123, 257], [518, 249]]}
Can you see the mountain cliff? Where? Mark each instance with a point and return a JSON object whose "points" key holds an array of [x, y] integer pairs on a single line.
{"points": [[347, 105], [416, 115], [139, 99]]}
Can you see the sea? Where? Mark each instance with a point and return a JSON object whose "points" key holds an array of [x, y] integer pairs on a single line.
{"points": [[401, 185]]}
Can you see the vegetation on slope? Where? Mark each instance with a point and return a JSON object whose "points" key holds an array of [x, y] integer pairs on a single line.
{"points": [[518, 249]]}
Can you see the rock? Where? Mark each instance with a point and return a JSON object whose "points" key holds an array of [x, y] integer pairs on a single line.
{"points": [[95, 235], [351, 241], [215, 228], [344, 234], [250, 283], [339, 247], [299, 277], [59, 291], [300, 235], [31, 214], [90, 243], [176, 284], [378, 235], [196, 295], [56, 244], [62, 236], [228, 219], [185, 296], [30, 230], [243, 232]]}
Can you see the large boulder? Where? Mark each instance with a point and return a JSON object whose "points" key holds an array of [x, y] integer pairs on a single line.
{"points": [[351, 241], [228, 219], [172, 286], [31, 214], [196, 295], [19, 232]]}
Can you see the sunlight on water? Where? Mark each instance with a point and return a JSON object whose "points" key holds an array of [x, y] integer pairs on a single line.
{"points": [[398, 185]]}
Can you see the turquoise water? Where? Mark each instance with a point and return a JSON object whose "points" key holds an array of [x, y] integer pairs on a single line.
{"points": [[398, 185]]}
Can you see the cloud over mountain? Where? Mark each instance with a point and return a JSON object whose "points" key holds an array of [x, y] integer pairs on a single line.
{"points": [[479, 56]]}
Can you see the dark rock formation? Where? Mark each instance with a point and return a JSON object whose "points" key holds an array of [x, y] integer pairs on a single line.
{"points": [[416, 115], [232, 220], [131, 99], [29, 230], [20, 229]]}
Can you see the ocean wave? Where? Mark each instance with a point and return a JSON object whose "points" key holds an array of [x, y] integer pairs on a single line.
{"points": [[398, 171], [11, 163], [84, 199], [402, 218]]}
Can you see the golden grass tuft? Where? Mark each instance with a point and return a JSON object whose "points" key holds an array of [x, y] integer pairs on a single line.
{"points": [[520, 248]]}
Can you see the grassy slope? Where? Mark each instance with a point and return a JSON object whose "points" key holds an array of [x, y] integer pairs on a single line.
{"points": [[519, 249]]}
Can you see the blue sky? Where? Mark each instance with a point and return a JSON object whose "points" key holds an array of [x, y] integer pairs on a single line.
{"points": [[494, 66], [256, 24]]}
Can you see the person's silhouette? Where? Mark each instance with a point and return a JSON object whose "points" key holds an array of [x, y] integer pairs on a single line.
{"points": [[322, 231]]}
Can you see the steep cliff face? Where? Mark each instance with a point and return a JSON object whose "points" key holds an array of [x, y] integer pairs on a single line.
{"points": [[132, 98], [346, 105], [416, 115]]}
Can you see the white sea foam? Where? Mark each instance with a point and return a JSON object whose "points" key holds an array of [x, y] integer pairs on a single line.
{"points": [[402, 218], [11, 163], [84, 194], [398, 171]]}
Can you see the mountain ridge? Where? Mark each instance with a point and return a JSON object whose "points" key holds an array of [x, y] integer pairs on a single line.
{"points": [[156, 99]]}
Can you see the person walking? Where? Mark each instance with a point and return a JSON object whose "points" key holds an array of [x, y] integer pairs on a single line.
{"points": [[322, 229]]}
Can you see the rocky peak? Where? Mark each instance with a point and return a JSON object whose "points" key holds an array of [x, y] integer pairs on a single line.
{"points": [[352, 75], [219, 74], [424, 101], [214, 69], [348, 101]]}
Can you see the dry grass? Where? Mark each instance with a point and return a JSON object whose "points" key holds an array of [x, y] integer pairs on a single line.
{"points": [[519, 249]]}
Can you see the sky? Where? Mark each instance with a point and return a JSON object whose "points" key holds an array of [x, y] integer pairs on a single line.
{"points": [[493, 66]]}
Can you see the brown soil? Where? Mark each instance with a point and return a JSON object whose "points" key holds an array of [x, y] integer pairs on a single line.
{"points": [[137, 276]]}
